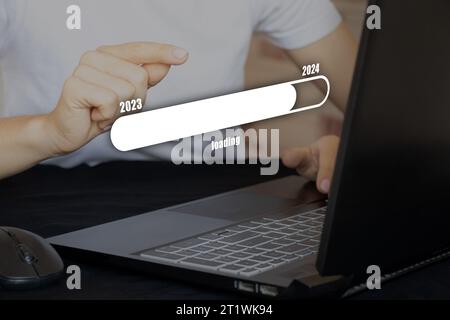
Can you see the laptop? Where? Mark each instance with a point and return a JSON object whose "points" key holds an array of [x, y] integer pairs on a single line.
{"points": [[388, 204]]}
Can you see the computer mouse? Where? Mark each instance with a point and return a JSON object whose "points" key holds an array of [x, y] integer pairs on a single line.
{"points": [[27, 260]]}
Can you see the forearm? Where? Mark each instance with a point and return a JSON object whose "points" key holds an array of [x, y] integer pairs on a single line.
{"points": [[24, 142]]}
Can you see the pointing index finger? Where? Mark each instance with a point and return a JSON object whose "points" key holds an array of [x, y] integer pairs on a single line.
{"points": [[147, 53]]}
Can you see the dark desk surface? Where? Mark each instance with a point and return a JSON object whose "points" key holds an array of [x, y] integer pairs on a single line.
{"points": [[51, 201]]}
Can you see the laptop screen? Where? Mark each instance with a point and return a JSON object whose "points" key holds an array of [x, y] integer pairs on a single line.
{"points": [[389, 202]]}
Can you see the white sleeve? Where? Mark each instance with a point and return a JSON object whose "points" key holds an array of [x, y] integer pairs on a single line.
{"points": [[8, 19], [3, 24], [293, 24]]}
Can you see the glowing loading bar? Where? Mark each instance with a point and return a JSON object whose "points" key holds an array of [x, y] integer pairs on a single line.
{"points": [[189, 119]]}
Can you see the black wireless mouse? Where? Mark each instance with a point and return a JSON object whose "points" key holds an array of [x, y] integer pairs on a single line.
{"points": [[27, 260]]}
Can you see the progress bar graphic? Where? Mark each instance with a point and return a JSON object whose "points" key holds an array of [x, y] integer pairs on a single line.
{"points": [[190, 119]]}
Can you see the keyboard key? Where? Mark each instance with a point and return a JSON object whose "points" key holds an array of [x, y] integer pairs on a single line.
{"points": [[290, 257], [161, 255], [311, 215], [240, 255], [263, 221], [255, 241], [232, 267], [210, 237], [221, 252], [289, 222], [202, 262], [276, 226], [207, 256], [300, 219], [277, 262], [275, 235], [293, 248], [240, 237], [274, 254], [311, 223], [167, 249], [187, 253], [262, 230], [247, 263], [301, 224], [188, 243], [296, 237], [283, 242], [264, 266], [215, 244], [227, 259], [234, 248], [261, 258], [301, 227], [236, 228], [202, 248], [310, 242], [289, 231], [269, 246], [253, 251]]}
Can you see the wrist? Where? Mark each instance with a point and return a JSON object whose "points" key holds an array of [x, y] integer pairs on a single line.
{"points": [[41, 134]]}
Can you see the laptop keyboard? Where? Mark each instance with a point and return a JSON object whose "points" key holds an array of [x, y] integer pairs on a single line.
{"points": [[248, 248]]}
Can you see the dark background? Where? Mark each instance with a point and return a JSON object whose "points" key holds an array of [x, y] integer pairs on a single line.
{"points": [[49, 201]]}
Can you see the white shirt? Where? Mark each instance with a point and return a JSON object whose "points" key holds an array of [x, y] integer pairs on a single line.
{"points": [[38, 52]]}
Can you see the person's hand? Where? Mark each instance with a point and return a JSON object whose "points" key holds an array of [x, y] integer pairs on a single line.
{"points": [[90, 99], [315, 162]]}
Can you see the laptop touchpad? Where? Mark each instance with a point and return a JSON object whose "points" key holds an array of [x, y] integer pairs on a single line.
{"points": [[237, 206]]}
